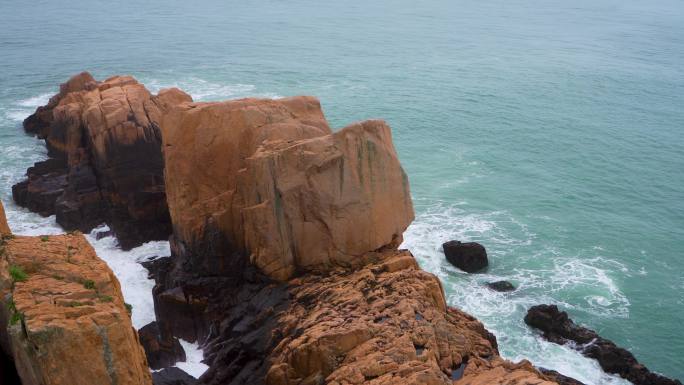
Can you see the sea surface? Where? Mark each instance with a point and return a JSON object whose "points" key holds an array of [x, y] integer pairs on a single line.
{"points": [[551, 131]]}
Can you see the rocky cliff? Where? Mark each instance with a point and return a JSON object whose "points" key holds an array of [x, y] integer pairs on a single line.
{"points": [[63, 320], [105, 162], [284, 258]]}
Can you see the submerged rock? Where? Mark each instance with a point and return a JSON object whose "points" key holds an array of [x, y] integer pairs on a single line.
{"points": [[62, 316], [105, 162], [502, 286], [161, 348], [557, 327], [470, 257]]}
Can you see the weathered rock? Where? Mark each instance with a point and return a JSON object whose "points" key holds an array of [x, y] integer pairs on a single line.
{"points": [[268, 181], [62, 316], [470, 257], [557, 327], [4, 227], [172, 376], [502, 286], [105, 163], [161, 348], [384, 323]]}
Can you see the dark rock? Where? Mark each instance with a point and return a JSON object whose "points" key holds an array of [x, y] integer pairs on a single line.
{"points": [[470, 257], [557, 327], [8, 372], [502, 286], [172, 376], [162, 348], [560, 378]]}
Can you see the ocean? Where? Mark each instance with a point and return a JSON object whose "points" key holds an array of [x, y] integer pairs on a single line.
{"points": [[550, 131]]}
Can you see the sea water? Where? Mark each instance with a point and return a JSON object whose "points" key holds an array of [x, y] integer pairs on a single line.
{"points": [[550, 131]]}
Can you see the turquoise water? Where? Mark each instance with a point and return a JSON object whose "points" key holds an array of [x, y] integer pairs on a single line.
{"points": [[550, 131]]}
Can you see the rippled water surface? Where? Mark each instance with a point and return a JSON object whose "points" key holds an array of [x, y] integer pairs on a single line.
{"points": [[550, 131]]}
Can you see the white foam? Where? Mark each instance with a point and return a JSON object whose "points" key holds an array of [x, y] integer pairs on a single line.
{"points": [[35, 101], [203, 90], [543, 274], [193, 364], [136, 287]]}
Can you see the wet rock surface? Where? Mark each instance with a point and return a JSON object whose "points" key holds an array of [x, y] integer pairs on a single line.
{"points": [[105, 163], [557, 327], [172, 376], [470, 257], [501, 286], [161, 347]]}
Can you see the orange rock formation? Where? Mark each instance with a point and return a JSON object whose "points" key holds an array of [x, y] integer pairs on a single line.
{"points": [[62, 317], [271, 177]]}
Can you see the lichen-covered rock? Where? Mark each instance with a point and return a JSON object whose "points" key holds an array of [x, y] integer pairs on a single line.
{"points": [[268, 180], [63, 318], [105, 163]]}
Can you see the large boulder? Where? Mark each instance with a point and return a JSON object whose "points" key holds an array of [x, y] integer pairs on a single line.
{"points": [[105, 164], [266, 182], [470, 257], [557, 327], [63, 319]]}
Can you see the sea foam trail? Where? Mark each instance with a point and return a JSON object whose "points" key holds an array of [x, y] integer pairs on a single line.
{"points": [[507, 240]]}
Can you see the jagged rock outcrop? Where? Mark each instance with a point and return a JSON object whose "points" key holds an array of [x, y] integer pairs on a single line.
{"points": [[105, 162], [268, 180], [557, 327], [284, 258], [62, 316]]}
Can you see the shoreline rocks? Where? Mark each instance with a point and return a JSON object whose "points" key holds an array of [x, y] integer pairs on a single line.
{"points": [[558, 328], [284, 263], [470, 257], [105, 163], [61, 307]]}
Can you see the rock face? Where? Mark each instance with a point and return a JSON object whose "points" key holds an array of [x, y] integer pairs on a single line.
{"points": [[61, 307], [266, 179], [105, 162], [557, 327], [470, 257]]}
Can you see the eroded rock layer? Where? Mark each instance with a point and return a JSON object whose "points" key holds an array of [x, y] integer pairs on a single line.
{"points": [[62, 316], [105, 162]]}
